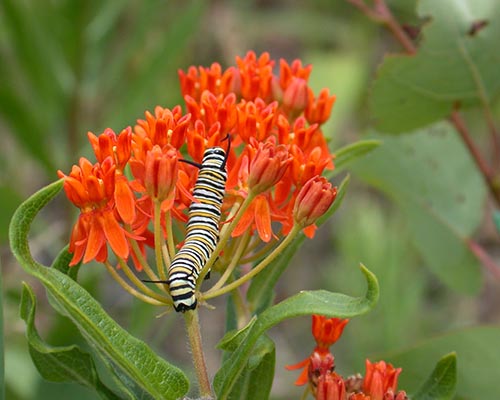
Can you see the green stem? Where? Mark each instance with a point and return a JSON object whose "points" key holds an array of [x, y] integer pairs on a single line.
{"points": [[194, 334], [144, 263], [263, 264], [158, 241], [225, 235], [241, 309], [140, 285], [170, 236], [116, 276], [235, 258]]}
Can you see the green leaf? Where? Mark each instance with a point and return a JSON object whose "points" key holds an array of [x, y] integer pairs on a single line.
{"points": [[305, 303], [351, 152], [59, 364], [261, 291], [451, 66], [61, 263], [137, 365], [442, 382], [479, 361], [441, 196], [256, 380]]}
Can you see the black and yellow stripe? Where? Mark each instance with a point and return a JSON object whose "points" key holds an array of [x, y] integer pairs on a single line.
{"points": [[202, 232]]}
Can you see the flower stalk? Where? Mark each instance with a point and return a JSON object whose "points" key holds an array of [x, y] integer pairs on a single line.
{"points": [[194, 334]]}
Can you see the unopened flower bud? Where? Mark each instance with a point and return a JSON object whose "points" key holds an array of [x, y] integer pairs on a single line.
{"points": [[268, 166], [313, 200], [161, 172], [296, 96]]}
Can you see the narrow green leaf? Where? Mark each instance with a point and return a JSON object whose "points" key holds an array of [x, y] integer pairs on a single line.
{"points": [[59, 364], [351, 152], [261, 291], [441, 196], [256, 380], [442, 382], [132, 359], [305, 303], [61, 263]]}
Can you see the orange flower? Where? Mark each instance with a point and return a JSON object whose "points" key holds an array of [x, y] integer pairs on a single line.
{"points": [[327, 331], [257, 217], [118, 148], [254, 76], [211, 109], [268, 164], [330, 387], [319, 108], [91, 188], [164, 127], [295, 97], [197, 80], [381, 381], [313, 200], [161, 171], [255, 119]]}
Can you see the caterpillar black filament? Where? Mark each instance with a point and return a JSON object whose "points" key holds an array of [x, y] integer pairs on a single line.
{"points": [[202, 233]]}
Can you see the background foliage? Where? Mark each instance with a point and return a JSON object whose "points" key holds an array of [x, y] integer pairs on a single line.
{"points": [[411, 210]]}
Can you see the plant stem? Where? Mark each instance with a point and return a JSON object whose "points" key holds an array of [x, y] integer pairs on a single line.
{"points": [[116, 276], [263, 264], [381, 13], [194, 334], [225, 235], [481, 164], [158, 241], [235, 258]]}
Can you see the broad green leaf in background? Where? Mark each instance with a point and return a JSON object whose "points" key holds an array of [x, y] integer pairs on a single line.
{"points": [[305, 303], [59, 364], [432, 178], [441, 383], [452, 66], [478, 357], [261, 291], [141, 370]]}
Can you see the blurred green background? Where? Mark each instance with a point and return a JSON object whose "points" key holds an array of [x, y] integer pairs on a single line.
{"points": [[72, 66]]}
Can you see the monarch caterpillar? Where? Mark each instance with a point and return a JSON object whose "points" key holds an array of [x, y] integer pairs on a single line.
{"points": [[202, 233]]}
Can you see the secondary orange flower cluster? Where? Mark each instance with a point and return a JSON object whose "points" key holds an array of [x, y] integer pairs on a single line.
{"points": [[277, 156], [379, 383]]}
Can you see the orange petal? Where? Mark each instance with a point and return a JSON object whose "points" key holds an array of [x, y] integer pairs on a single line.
{"points": [[263, 218], [125, 200], [95, 240], [115, 235], [245, 222]]}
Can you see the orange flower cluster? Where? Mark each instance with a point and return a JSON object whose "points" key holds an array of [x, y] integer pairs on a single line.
{"points": [[379, 383], [277, 156]]}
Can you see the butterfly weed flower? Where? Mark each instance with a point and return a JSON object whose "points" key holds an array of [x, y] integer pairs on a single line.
{"points": [[318, 370], [223, 183], [326, 331], [268, 123]]}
